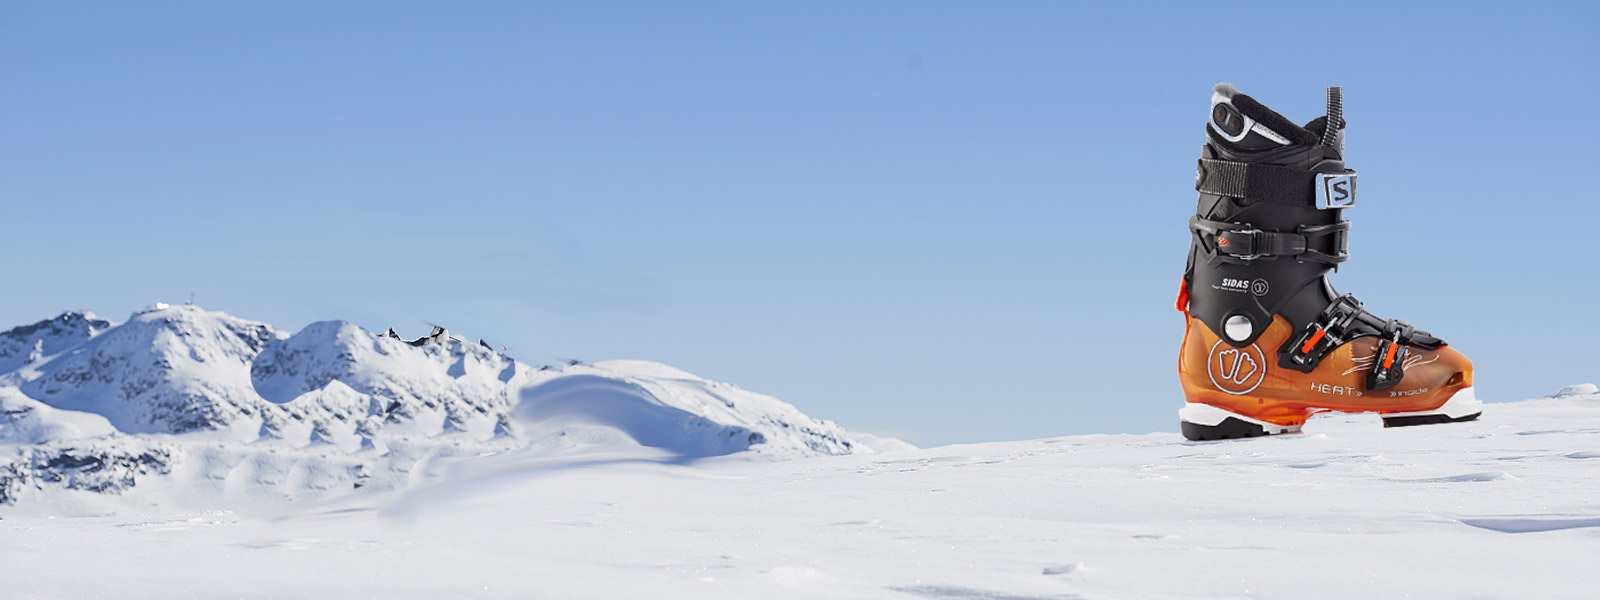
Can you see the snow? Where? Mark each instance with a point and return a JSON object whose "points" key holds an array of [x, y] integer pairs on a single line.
{"points": [[1503, 507], [29, 343], [188, 452], [24, 420], [181, 408], [664, 407], [168, 370]]}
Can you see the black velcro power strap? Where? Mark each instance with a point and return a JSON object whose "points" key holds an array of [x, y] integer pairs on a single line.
{"points": [[1257, 182]]}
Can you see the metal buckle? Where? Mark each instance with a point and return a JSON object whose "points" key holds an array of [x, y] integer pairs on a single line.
{"points": [[1381, 377], [1300, 354], [1255, 243], [1306, 350]]}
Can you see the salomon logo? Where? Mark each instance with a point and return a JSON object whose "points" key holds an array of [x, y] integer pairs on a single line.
{"points": [[1336, 190]]}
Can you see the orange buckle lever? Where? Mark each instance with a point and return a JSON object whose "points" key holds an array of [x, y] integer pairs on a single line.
{"points": [[1388, 363], [1304, 352], [1312, 343], [1183, 296]]}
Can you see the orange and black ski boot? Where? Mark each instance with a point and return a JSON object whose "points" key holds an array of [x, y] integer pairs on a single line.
{"points": [[1268, 341]]}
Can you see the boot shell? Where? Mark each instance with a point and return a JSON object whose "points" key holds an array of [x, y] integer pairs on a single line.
{"points": [[1249, 383]]}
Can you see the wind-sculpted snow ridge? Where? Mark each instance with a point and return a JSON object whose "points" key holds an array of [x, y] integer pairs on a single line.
{"points": [[663, 407], [221, 410]]}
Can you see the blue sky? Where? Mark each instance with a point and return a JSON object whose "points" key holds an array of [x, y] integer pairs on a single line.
{"points": [[951, 221]]}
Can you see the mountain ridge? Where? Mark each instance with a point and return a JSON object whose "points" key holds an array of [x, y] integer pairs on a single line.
{"points": [[96, 406]]}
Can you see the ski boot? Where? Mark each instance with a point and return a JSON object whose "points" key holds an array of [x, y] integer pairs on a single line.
{"points": [[1268, 342]]}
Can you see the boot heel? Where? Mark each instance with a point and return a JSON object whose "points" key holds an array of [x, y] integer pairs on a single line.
{"points": [[1201, 422]]}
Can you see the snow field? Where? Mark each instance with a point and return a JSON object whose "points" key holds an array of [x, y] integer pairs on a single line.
{"points": [[1504, 507]]}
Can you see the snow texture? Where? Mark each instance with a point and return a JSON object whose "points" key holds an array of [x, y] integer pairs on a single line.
{"points": [[1498, 508]]}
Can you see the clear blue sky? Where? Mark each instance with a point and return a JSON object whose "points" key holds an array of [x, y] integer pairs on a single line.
{"points": [[951, 221]]}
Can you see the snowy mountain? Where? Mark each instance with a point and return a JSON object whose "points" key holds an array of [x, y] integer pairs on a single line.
{"points": [[29, 343], [167, 370], [441, 386], [227, 409]]}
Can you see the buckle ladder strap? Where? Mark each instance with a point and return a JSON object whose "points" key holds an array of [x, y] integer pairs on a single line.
{"points": [[1257, 182], [1341, 241], [1304, 351], [1246, 243]]}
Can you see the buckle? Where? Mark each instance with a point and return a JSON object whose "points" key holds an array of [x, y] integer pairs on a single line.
{"points": [[1339, 237], [1313, 342], [1242, 244], [1389, 360], [1303, 352]]}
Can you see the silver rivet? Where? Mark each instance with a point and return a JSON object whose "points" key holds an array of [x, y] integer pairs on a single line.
{"points": [[1238, 328]]}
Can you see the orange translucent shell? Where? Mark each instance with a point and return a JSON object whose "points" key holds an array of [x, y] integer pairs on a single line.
{"points": [[1289, 397]]}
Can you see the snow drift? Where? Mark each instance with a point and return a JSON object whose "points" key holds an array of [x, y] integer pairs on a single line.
{"points": [[661, 407]]}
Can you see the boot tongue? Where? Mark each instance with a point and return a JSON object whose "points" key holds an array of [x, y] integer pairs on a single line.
{"points": [[1246, 124]]}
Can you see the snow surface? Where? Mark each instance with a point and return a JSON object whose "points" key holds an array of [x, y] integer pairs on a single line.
{"points": [[1504, 507]]}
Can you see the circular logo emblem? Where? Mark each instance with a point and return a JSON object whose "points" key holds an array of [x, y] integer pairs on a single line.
{"points": [[1236, 370], [1259, 287]]}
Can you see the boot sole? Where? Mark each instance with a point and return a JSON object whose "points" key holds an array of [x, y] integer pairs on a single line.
{"points": [[1463, 406], [1203, 422], [1427, 420]]}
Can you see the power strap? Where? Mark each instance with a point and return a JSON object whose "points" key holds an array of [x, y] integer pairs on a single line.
{"points": [[1262, 183], [1234, 242]]}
